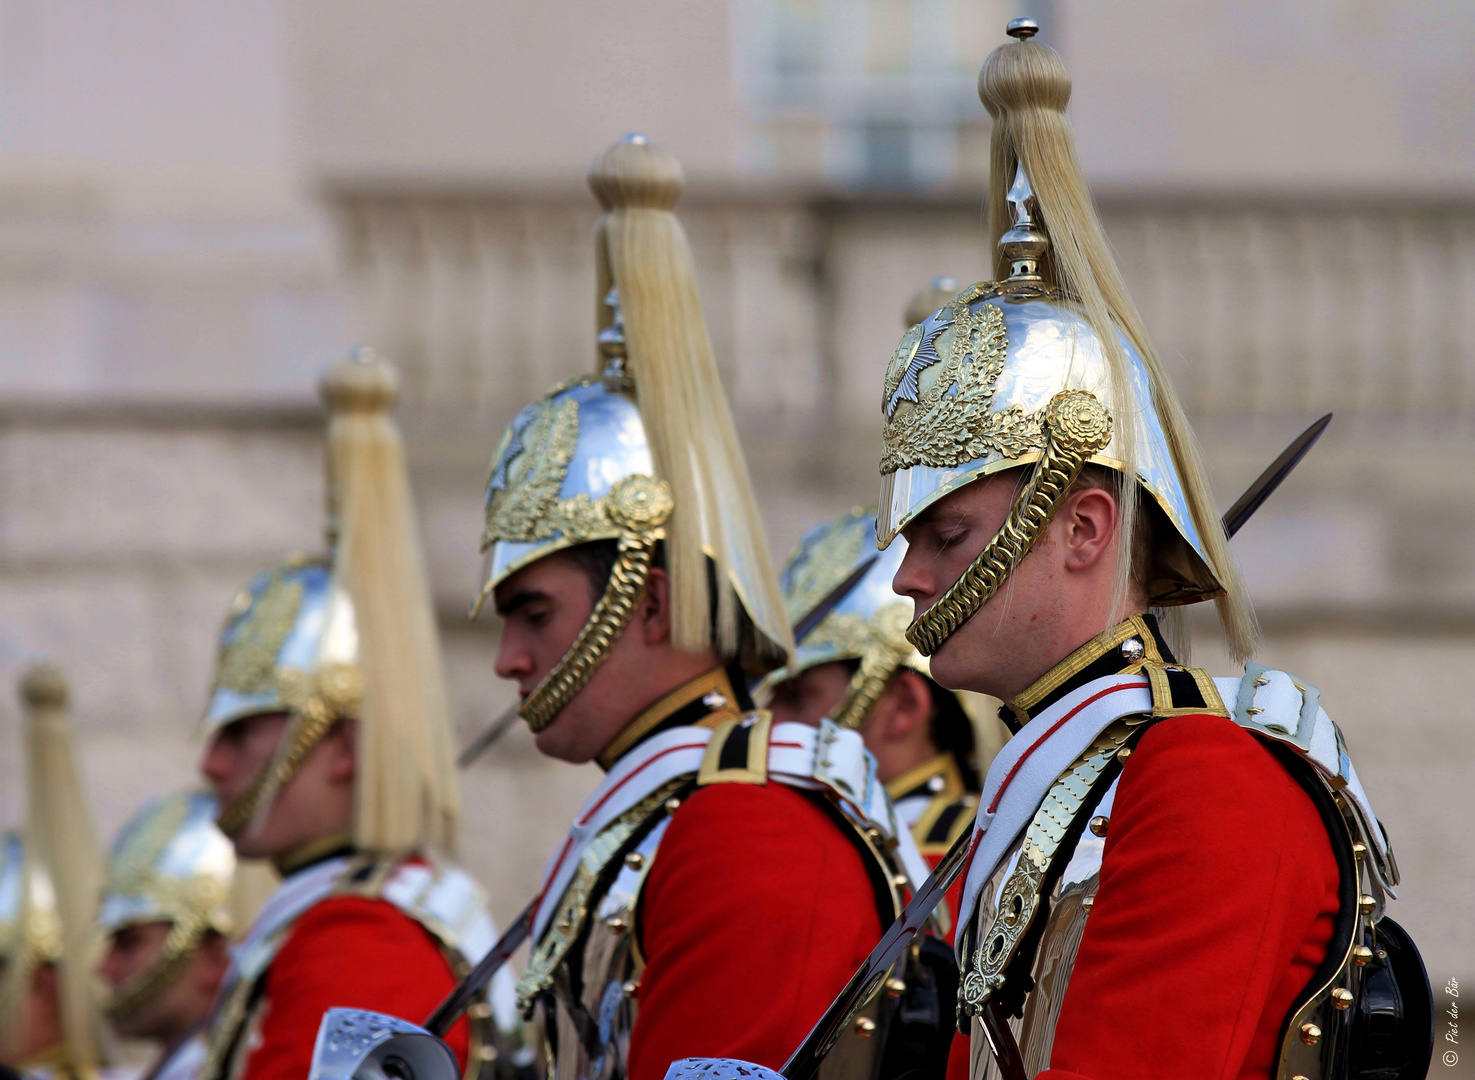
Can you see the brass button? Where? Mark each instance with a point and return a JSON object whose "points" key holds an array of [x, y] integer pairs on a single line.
{"points": [[1310, 1034], [479, 1010], [1366, 904], [1097, 825], [487, 1053], [900, 879], [635, 860], [1362, 955], [672, 805], [865, 1027], [1342, 999], [895, 987], [616, 924], [1088, 902], [630, 988], [1124, 753]]}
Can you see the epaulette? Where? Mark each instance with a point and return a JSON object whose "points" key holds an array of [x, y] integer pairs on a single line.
{"points": [[1182, 691], [954, 819], [443, 899], [1282, 708], [738, 751]]}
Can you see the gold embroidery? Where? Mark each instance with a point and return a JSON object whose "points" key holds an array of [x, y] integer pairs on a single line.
{"points": [[828, 562], [884, 650], [248, 663], [529, 509], [1076, 426], [573, 907], [1019, 899], [950, 423]]}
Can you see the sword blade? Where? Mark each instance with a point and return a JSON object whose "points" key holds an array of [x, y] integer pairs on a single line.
{"points": [[1266, 483], [449, 1010], [494, 732], [804, 1063], [817, 613]]}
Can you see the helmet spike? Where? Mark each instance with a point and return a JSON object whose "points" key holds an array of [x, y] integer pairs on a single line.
{"points": [[1023, 245]]}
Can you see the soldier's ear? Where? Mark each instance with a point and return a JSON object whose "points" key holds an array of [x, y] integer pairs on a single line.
{"points": [[342, 744], [654, 613], [907, 706], [1088, 523]]}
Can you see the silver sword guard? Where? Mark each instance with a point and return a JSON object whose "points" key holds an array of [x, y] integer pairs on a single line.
{"points": [[698, 1068], [354, 1044]]}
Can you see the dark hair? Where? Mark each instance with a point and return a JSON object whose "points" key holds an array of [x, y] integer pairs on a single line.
{"points": [[951, 732], [597, 558]]}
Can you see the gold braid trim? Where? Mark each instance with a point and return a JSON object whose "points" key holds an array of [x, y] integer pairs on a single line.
{"points": [[639, 506], [237, 814], [866, 686], [1076, 426], [184, 938]]}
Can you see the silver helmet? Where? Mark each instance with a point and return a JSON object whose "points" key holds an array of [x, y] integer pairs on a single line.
{"points": [[1047, 366], [642, 454], [290, 645], [868, 624], [169, 864]]}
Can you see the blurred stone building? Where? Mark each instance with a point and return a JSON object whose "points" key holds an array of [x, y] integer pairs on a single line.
{"points": [[201, 204]]}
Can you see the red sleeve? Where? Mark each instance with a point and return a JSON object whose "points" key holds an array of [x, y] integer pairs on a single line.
{"points": [[959, 1059], [346, 951], [756, 912], [1217, 900]]}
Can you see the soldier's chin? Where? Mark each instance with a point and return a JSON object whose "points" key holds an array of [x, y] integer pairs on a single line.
{"points": [[565, 738]]}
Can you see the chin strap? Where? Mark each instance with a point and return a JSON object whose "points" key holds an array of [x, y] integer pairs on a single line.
{"points": [[185, 935], [1076, 425], [886, 650], [640, 506]]}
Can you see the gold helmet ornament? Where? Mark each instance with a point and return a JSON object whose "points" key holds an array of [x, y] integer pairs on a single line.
{"points": [[1049, 365], [352, 635], [642, 452], [49, 879], [169, 864]]}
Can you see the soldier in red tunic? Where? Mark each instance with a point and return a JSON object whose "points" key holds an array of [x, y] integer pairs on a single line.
{"points": [[329, 749], [722, 883], [1172, 874]]}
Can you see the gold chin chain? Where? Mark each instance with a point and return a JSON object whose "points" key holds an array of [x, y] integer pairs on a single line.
{"points": [[237, 814], [639, 506], [885, 652], [1076, 426], [184, 938]]}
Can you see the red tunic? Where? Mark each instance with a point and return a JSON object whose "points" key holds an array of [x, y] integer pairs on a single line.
{"points": [[755, 913], [347, 951], [1217, 900]]}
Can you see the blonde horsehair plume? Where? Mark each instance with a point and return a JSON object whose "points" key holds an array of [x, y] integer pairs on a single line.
{"points": [[61, 844], [406, 785], [643, 252], [1025, 87], [251, 884]]}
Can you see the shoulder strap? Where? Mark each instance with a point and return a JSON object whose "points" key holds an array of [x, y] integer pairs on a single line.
{"points": [[738, 752]]}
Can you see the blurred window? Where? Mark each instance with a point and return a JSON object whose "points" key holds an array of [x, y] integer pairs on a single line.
{"points": [[872, 94]]}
